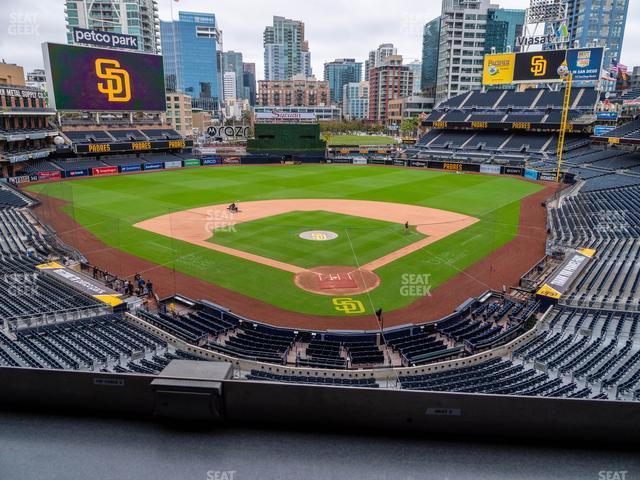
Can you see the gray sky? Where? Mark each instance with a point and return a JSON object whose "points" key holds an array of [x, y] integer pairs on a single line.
{"points": [[334, 28]]}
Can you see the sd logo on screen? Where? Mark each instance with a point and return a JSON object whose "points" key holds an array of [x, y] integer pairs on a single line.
{"points": [[117, 85]]}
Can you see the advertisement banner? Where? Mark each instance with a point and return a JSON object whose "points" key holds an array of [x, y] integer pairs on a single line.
{"points": [[173, 164], [20, 179], [76, 173], [360, 161], [490, 169], [231, 160], [130, 168], [237, 132], [607, 115], [547, 177], [602, 130], [531, 67], [585, 63], [49, 175], [153, 166], [104, 170], [512, 171], [193, 162], [498, 69], [531, 174], [212, 161], [277, 114], [97, 79]]}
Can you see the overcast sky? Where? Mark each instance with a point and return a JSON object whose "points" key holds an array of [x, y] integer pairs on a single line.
{"points": [[334, 28]]}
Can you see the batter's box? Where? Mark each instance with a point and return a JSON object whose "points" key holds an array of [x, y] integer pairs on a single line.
{"points": [[333, 281]]}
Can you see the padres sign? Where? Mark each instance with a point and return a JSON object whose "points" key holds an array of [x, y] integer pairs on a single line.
{"points": [[498, 69], [538, 66], [116, 85]]}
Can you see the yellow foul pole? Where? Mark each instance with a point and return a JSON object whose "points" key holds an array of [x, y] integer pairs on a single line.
{"points": [[564, 122]]}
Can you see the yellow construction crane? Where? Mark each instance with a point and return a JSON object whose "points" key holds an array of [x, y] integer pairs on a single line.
{"points": [[564, 122]]}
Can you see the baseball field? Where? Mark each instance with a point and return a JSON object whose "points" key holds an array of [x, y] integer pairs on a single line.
{"points": [[319, 240]]}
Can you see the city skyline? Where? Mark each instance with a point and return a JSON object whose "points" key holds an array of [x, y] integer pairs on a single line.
{"points": [[363, 25]]}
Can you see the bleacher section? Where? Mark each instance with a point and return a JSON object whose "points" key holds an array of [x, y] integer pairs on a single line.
{"points": [[503, 126], [10, 197], [105, 343], [577, 354], [493, 321], [603, 216], [18, 235], [79, 139]]}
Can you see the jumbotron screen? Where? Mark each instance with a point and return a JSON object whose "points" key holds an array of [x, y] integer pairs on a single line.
{"points": [[97, 79]]}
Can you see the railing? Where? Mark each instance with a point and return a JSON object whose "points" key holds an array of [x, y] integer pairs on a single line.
{"points": [[54, 317]]}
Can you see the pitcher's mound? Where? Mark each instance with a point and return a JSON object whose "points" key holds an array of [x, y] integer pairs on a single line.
{"points": [[337, 281]]}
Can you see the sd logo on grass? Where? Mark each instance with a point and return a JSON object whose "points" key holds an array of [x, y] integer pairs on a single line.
{"points": [[348, 306]]}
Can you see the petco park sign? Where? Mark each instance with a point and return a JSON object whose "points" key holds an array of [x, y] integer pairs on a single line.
{"points": [[282, 115], [98, 38]]}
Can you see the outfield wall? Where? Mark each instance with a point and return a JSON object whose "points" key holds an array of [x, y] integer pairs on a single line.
{"points": [[278, 159]]}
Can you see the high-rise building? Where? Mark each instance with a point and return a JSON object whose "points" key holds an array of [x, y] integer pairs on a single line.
{"points": [[339, 73], [190, 47], [139, 18], [503, 27], [37, 79], [388, 81], [416, 69], [355, 101], [307, 70], [274, 61], [461, 49], [286, 52], [600, 22], [430, 45], [298, 92], [230, 86], [232, 62], [249, 82], [377, 56], [179, 113]]}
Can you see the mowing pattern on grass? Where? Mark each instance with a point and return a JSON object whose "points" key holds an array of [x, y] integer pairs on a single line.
{"points": [[110, 206]]}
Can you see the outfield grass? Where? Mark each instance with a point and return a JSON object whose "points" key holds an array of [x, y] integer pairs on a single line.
{"points": [[361, 140], [360, 240], [110, 206]]}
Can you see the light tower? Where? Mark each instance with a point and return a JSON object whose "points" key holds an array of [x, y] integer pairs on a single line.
{"points": [[548, 18]]}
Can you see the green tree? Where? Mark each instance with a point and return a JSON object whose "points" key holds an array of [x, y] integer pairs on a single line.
{"points": [[409, 126]]}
